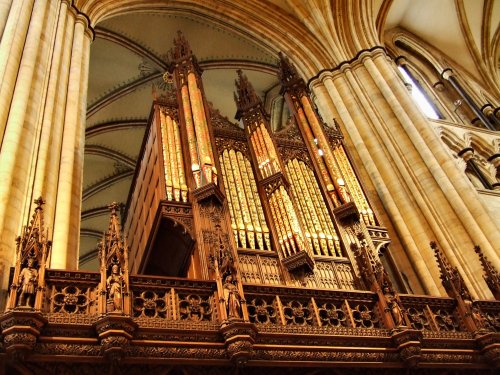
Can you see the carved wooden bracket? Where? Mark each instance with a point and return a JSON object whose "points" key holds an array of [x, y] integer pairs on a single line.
{"points": [[20, 330], [239, 338], [347, 213], [209, 191], [115, 332]]}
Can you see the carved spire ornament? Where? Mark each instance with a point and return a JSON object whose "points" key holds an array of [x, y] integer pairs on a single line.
{"points": [[32, 249], [245, 95], [407, 339], [450, 277], [455, 287], [113, 256], [115, 325], [194, 115], [181, 49], [23, 321], [491, 275]]}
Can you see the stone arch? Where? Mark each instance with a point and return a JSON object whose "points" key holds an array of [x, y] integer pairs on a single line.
{"points": [[286, 35]]}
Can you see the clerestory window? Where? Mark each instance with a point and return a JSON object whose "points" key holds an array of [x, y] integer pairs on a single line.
{"points": [[419, 96]]}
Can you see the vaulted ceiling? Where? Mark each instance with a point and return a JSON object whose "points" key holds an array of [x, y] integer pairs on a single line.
{"points": [[129, 56]]}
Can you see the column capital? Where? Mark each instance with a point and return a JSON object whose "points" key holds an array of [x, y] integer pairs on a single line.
{"points": [[439, 86], [467, 153], [400, 60], [447, 73], [82, 18], [495, 160]]}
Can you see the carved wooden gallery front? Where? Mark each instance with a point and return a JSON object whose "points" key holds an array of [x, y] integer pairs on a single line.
{"points": [[245, 248]]}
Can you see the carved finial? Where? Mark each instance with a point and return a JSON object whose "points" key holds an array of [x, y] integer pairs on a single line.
{"points": [[113, 245], [450, 277], [492, 277], [181, 47], [113, 207], [287, 72], [245, 96], [39, 202]]}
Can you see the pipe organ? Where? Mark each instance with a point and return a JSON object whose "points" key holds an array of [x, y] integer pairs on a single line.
{"points": [[274, 262], [277, 198]]}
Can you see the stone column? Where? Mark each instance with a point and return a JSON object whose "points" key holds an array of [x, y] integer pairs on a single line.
{"points": [[4, 14], [44, 55], [24, 57], [385, 179], [461, 197], [454, 210], [67, 212], [46, 174], [468, 154], [489, 112], [423, 191]]}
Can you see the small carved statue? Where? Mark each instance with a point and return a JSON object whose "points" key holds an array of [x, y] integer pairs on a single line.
{"points": [[28, 281], [114, 286], [232, 298], [394, 307]]}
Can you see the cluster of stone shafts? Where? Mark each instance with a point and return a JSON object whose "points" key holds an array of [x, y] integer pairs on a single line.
{"points": [[188, 80], [294, 250]]}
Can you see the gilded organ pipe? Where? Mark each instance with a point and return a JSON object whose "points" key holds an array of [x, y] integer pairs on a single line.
{"points": [[192, 144], [295, 252], [180, 163], [188, 78], [166, 154], [320, 230], [233, 204], [331, 162], [246, 211], [246, 224], [354, 187], [260, 211], [172, 157]]}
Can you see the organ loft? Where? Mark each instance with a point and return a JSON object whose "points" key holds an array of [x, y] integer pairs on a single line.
{"points": [[243, 248]]}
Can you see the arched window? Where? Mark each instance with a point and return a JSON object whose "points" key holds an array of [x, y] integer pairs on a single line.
{"points": [[419, 95]]}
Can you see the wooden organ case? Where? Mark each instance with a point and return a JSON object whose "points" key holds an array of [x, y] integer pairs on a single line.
{"points": [[242, 247], [275, 193]]}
